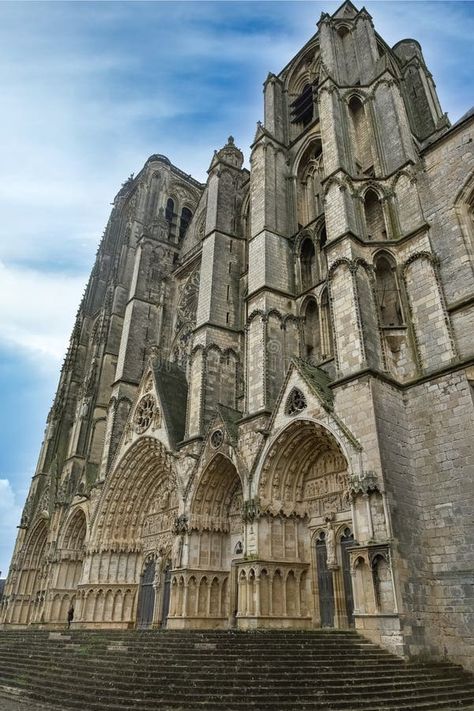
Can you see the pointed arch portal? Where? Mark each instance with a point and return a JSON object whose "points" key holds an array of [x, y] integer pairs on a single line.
{"points": [[305, 527], [68, 573], [30, 585], [135, 518], [203, 592]]}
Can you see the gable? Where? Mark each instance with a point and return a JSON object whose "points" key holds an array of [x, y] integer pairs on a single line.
{"points": [[306, 393], [159, 410]]}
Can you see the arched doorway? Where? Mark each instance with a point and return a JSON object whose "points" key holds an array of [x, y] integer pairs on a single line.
{"points": [[134, 525], [30, 592], [146, 596], [215, 536], [69, 569], [325, 586], [305, 524]]}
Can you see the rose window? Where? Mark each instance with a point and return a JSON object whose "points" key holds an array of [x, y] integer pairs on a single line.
{"points": [[296, 402], [217, 437], [144, 413]]}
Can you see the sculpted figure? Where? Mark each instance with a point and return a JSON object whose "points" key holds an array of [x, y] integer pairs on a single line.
{"points": [[331, 546], [158, 565], [177, 551]]}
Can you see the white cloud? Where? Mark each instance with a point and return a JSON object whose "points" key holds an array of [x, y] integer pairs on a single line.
{"points": [[37, 311], [10, 512]]}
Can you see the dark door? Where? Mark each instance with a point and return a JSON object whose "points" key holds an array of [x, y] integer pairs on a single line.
{"points": [[326, 593], [146, 596], [347, 541], [166, 595]]}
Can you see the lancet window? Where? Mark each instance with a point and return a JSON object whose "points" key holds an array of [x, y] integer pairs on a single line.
{"points": [[302, 108], [312, 337], [308, 264], [309, 189], [170, 217], [186, 217], [326, 326], [361, 137]]}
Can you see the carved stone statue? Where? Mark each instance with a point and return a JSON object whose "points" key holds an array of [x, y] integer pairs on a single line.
{"points": [[331, 555], [158, 565], [177, 551]]}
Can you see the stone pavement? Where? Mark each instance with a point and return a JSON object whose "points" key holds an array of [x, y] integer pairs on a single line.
{"points": [[8, 703]]}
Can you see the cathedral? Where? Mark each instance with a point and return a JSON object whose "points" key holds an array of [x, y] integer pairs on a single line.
{"points": [[265, 416]]}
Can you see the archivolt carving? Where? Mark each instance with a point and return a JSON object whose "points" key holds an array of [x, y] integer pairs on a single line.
{"points": [[140, 484], [420, 255], [75, 531], [217, 497], [304, 473], [343, 261], [361, 95]]}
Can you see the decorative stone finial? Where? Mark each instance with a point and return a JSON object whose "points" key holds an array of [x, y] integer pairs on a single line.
{"points": [[229, 154]]}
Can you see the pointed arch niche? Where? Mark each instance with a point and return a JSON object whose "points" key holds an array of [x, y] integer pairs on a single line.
{"points": [[308, 264], [309, 193], [136, 516], [375, 225], [303, 490], [388, 293], [215, 539], [361, 137], [312, 333], [71, 556], [30, 588]]}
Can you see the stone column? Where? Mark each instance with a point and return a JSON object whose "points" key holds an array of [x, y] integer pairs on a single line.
{"points": [[257, 596], [340, 613]]}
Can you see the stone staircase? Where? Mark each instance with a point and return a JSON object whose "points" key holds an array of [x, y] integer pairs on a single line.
{"points": [[221, 670]]}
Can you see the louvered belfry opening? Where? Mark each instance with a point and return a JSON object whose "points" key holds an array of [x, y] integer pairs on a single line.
{"points": [[302, 109]]}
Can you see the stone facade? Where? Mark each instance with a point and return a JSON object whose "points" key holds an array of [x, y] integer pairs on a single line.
{"points": [[265, 415]]}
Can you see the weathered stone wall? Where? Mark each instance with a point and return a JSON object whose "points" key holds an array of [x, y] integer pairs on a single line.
{"points": [[206, 338]]}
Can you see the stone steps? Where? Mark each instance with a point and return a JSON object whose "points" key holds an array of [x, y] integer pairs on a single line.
{"points": [[225, 671], [246, 667], [413, 681]]}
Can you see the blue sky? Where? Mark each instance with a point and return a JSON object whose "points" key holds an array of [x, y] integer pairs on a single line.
{"points": [[89, 91]]}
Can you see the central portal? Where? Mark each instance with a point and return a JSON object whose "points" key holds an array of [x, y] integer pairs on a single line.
{"points": [[201, 585]]}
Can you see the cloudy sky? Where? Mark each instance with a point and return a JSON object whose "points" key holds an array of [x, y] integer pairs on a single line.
{"points": [[89, 91]]}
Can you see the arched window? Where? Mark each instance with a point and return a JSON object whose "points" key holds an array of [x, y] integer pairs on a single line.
{"points": [[361, 137], [322, 239], [312, 338], [170, 216], [383, 585], [186, 217], [326, 327], [347, 56], [309, 190], [302, 108], [308, 264], [388, 296], [374, 219]]}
